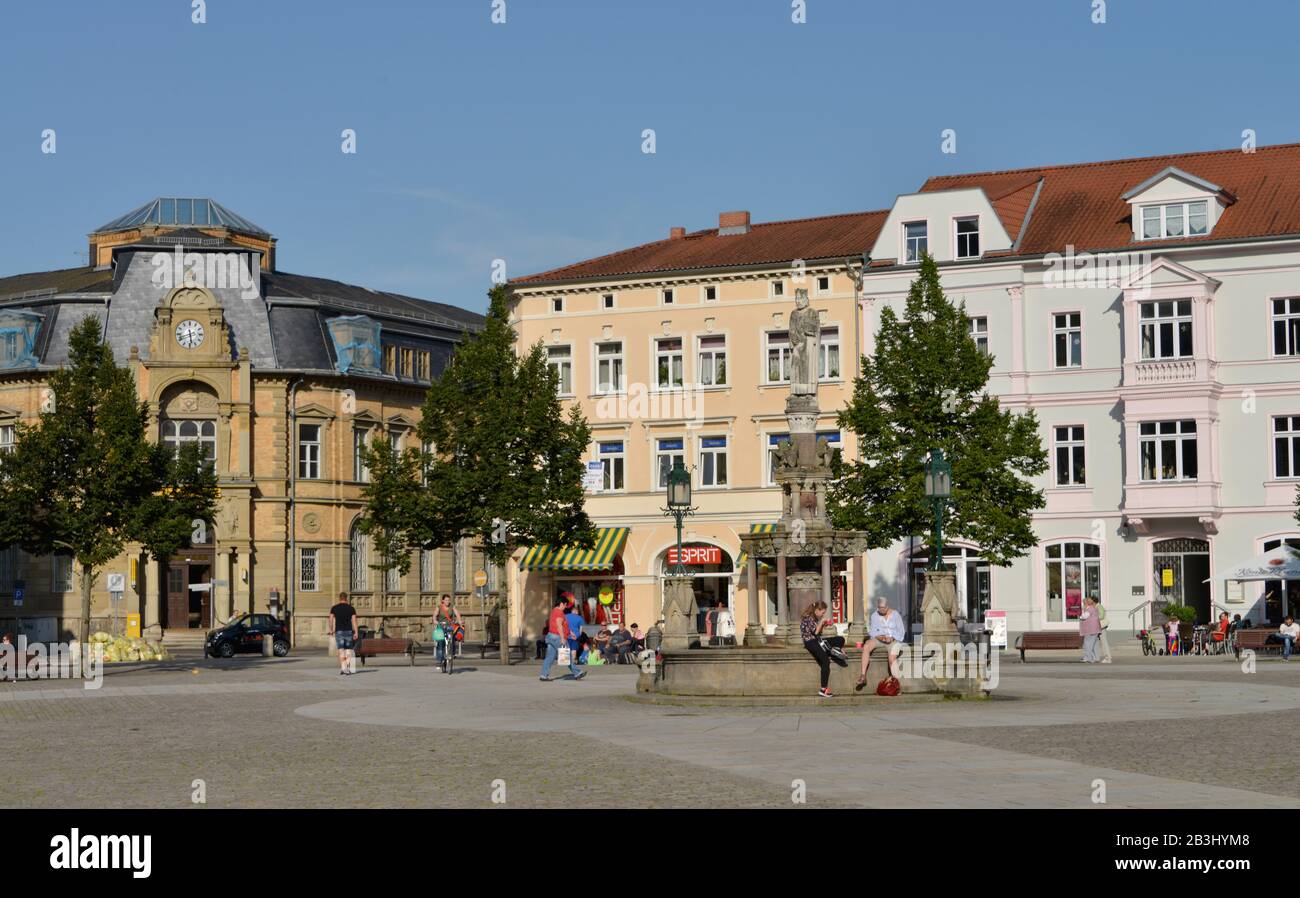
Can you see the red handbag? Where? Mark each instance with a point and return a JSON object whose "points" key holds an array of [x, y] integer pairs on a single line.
{"points": [[889, 686]]}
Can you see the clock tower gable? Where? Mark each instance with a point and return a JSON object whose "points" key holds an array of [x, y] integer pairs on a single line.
{"points": [[189, 326]]}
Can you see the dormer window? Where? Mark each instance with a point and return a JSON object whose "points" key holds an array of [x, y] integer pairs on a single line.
{"points": [[968, 237], [1175, 220], [915, 240]]}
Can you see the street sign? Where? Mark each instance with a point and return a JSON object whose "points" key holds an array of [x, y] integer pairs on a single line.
{"points": [[480, 577], [117, 582], [20, 590]]}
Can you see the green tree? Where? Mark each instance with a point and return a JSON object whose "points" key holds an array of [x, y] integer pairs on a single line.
{"points": [[506, 464], [85, 480], [925, 389]]}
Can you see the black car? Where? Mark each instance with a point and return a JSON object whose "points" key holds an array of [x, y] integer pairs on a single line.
{"points": [[244, 634]]}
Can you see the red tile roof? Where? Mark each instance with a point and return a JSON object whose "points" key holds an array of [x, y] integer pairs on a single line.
{"points": [[1083, 204], [1045, 208], [828, 237]]}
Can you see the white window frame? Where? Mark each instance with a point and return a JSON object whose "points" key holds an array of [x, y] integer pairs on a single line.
{"points": [[1065, 330], [613, 465], [678, 354], [360, 470], [562, 363], [608, 301], [704, 292], [659, 472], [823, 354], [1181, 436], [818, 289], [1156, 323], [980, 333], [557, 305], [1184, 212], [1074, 443], [910, 256], [1289, 318], [618, 368], [776, 289], [305, 585], [709, 456], [1085, 560], [708, 359], [358, 561], [309, 451], [784, 356], [1290, 435], [8, 435], [667, 296], [957, 235]]}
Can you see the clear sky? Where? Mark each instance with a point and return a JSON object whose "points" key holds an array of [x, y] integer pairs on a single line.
{"points": [[523, 141]]}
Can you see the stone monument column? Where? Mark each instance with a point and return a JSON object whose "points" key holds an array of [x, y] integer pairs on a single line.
{"points": [[679, 615]]}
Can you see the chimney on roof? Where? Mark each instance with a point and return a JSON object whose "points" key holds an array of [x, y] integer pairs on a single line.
{"points": [[676, 233], [733, 223]]}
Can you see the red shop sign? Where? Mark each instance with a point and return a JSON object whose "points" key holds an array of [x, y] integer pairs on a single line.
{"points": [[696, 555]]}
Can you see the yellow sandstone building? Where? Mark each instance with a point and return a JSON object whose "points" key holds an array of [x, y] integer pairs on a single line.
{"points": [[281, 378]]}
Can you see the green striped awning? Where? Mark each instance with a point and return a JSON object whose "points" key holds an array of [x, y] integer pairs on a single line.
{"points": [[600, 557], [754, 528]]}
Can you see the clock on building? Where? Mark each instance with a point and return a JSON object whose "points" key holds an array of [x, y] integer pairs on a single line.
{"points": [[189, 334]]}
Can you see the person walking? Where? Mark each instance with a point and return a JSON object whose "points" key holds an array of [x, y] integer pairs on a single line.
{"points": [[557, 637], [1105, 644], [343, 625], [822, 648], [1090, 629]]}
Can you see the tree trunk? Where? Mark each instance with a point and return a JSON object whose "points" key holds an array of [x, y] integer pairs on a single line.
{"points": [[87, 578]]}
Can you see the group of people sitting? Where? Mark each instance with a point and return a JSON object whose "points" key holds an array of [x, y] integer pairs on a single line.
{"points": [[885, 628], [611, 644]]}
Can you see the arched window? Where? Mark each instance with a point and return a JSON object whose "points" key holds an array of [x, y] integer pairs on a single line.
{"points": [[360, 561], [177, 433]]}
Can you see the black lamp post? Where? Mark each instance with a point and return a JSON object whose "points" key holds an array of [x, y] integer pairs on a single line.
{"points": [[938, 490], [679, 506]]}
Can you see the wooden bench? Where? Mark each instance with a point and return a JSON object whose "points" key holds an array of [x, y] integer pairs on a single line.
{"points": [[1048, 639], [380, 645], [520, 645], [1256, 639]]}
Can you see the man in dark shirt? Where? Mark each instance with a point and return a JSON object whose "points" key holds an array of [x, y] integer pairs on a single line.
{"points": [[343, 624]]}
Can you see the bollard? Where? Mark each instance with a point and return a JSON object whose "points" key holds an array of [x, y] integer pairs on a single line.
{"points": [[268, 646]]}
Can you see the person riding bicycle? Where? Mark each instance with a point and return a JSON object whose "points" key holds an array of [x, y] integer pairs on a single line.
{"points": [[445, 617]]}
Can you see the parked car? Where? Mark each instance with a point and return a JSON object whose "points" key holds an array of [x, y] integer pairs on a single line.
{"points": [[244, 634]]}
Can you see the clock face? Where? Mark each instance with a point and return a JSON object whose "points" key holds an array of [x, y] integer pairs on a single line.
{"points": [[189, 333]]}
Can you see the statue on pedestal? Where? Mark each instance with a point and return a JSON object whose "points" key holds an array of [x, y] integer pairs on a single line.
{"points": [[805, 346]]}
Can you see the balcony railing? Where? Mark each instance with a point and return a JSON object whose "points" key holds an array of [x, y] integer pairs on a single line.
{"points": [[1168, 371]]}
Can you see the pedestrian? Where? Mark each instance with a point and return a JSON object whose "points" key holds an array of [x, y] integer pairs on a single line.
{"points": [[1105, 644], [576, 622], [343, 625], [1090, 629], [557, 637], [822, 648]]}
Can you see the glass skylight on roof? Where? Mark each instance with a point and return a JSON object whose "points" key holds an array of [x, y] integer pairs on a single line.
{"points": [[183, 212]]}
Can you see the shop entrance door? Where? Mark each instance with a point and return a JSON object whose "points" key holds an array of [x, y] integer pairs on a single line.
{"points": [[1181, 567]]}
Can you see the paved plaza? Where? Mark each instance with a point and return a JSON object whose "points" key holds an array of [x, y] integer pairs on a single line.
{"points": [[1160, 732]]}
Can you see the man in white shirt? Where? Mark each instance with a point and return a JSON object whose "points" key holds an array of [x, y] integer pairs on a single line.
{"points": [[1289, 631], [885, 628]]}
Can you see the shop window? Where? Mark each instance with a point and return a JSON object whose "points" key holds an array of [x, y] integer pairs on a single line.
{"points": [[1073, 574]]}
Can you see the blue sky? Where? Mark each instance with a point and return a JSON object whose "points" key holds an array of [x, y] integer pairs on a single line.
{"points": [[523, 141]]}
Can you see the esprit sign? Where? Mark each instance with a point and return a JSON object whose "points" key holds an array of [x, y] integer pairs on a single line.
{"points": [[696, 555]]}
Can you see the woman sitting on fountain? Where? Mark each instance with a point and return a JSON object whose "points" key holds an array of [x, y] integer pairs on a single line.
{"points": [[822, 648]]}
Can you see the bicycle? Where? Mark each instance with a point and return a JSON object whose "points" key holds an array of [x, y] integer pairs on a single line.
{"points": [[450, 638]]}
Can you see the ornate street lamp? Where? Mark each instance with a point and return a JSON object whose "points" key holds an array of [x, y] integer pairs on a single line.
{"points": [[938, 491], [679, 506]]}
